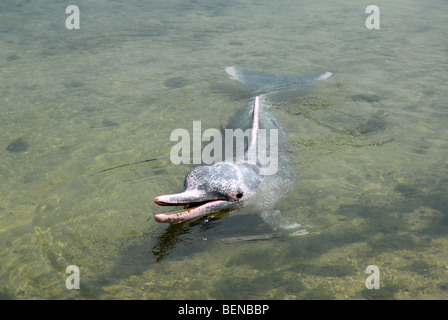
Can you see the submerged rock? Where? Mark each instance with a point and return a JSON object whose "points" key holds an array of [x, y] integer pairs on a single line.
{"points": [[12, 57], [374, 124], [174, 83], [18, 145], [366, 97]]}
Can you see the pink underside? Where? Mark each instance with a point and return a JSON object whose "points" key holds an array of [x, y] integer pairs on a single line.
{"points": [[187, 213]]}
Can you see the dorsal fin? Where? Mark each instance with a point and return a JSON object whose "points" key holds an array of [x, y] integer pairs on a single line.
{"points": [[252, 150]]}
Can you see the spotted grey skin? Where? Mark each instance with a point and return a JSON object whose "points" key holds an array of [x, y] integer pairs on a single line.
{"points": [[230, 185], [217, 188]]}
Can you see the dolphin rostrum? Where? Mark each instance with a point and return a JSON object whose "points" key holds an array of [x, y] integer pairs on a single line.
{"points": [[235, 183]]}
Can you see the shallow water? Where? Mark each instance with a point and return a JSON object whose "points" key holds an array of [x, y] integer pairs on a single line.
{"points": [[86, 117]]}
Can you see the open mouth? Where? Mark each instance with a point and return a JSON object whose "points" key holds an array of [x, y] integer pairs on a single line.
{"points": [[194, 207]]}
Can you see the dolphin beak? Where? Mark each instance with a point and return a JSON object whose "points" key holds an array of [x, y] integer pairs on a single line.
{"points": [[197, 204], [183, 198]]}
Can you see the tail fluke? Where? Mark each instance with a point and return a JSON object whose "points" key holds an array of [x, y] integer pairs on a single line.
{"points": [[264, 82]]}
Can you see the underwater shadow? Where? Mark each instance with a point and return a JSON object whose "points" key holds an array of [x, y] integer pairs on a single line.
{"points": [[183, 240]]}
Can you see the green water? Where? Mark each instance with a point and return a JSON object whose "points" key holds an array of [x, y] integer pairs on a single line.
{"points": [[86, 117]]}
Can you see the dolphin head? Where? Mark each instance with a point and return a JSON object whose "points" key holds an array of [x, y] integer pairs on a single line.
{"points": [[221, 187]]}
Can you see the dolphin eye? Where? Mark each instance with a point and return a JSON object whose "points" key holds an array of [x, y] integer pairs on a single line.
{"points": [[239, 195]]}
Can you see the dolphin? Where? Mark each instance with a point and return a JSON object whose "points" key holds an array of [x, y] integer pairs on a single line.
{"points": [[234, 184]]}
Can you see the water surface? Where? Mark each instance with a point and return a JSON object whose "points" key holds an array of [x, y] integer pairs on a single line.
{"points": [[86, 117]]}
